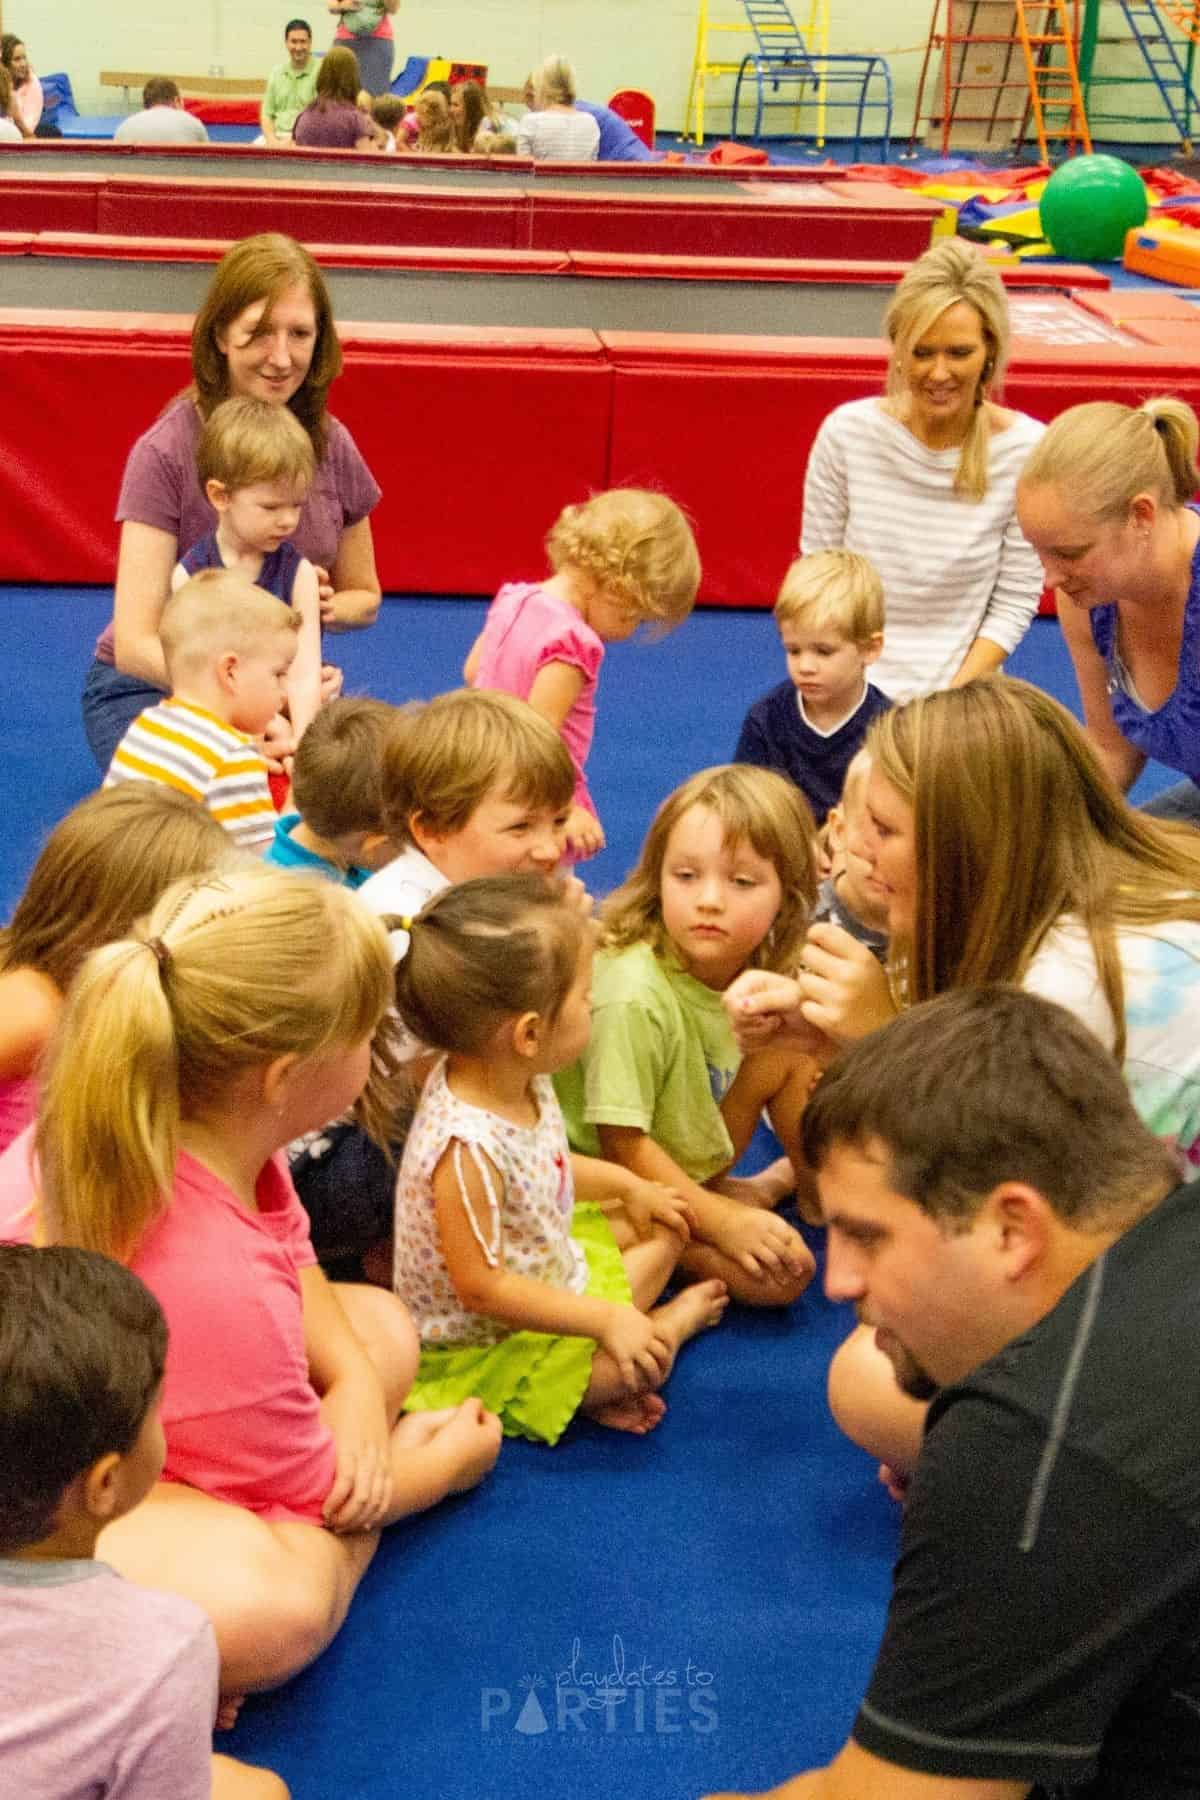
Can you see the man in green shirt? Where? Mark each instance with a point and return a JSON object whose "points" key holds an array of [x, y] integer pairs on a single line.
{"points": [[291, 86]]}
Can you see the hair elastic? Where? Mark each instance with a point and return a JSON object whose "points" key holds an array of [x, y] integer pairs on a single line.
{"points": [[162, 955]]}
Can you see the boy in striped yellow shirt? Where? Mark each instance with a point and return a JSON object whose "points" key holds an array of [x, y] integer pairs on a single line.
{"points": [[228, 647]]}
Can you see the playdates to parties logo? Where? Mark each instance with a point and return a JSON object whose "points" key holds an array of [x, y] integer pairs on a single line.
{"points": [[620, 1691]]}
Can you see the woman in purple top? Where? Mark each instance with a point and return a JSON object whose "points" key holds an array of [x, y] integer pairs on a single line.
{"points": [[265, 330], [333, 121], [1106, 501]]}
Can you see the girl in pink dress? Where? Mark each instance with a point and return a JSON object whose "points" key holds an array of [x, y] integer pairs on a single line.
{"points": [[101, 868], [242, 1012], [623, 558]]}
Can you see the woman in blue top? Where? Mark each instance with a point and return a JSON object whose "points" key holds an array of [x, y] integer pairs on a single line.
{"points": [[1106, 500]]}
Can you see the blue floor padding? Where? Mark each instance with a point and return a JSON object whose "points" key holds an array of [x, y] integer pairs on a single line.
{"points": [[744, 1548]]}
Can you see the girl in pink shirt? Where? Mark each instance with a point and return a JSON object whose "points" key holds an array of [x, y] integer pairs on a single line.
{"points": [[623, 558], [101, 868], [241, 1014]]}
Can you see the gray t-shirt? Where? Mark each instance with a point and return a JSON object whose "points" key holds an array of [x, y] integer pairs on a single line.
{"points": [[106, 1689], [161, 125]]}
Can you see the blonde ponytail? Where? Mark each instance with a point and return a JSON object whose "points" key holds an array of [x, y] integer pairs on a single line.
{"points": [[1104, 454], [224, 977], [108, 1126]]}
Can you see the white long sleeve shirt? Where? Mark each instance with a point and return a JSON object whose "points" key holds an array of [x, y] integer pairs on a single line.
{"points": [[952, 569]]}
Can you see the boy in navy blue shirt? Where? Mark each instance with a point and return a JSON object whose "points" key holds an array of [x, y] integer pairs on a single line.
{"points": [[810, 727]]}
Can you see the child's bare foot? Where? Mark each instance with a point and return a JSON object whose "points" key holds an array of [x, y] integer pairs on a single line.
{"points": [[473, 1435], [694, 1309], [228, 1709], [769, 1188], [415, 1429], [639, 1413]]}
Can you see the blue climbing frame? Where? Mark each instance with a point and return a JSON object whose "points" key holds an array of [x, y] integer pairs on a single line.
{"points": [[782, 65]]}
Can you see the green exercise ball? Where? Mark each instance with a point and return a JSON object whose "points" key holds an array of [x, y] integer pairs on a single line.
{"points": [[1089, 204]]}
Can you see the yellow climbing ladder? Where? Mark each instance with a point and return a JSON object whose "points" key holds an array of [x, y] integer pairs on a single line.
{"points": [[708, 67]]}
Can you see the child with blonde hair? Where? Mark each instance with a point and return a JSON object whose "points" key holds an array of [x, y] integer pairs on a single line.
{"points": [[522, 1294], [242, 1011], [255, 464], [725, 881], [849, 895], [101, 868], [336, 827], [830, 618], [435, 133], [623, 558], [228, 648], [470, 784]]}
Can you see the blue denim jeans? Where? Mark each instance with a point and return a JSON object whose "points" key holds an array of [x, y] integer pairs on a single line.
{"points": [[111, 702]]}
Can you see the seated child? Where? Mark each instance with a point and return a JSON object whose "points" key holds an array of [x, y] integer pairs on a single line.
{"points": [[101, 868], [522, 1295], [105, 1687], [496, 143], [245, 1008], [471, 784], [410, 124], [847, 895], [228, 648], [255, 464], [388, 112], [830, 617], [336, 828], [435, 134], [623, 558], [725, 881]]}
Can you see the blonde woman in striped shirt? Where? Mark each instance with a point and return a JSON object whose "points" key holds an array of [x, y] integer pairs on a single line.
{"points": [[228, 647], [922, 480]]}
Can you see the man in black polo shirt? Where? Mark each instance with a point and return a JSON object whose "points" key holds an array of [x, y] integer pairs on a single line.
{"points": [[1017, 1238]]}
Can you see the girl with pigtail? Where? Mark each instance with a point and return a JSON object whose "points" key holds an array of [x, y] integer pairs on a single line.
{"points": [[622, 559], [245, 1010], [532, 1275]]}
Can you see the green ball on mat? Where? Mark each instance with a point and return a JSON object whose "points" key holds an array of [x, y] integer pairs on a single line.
{"points": [[1089, 204]]}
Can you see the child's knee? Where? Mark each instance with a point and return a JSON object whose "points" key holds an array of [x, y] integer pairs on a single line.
{"points": [[384, 1327], [869, 1407], [240, 1781]]}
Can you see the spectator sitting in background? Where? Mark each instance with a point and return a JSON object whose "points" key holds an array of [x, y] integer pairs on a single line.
{"points": [[291, 85], [334, 120], [410, 129], [10, 131], [619, 142], [496, 143], [475, 117], [388, 110], [162, 119], [554, 131], [436, 128], [28, 99]]}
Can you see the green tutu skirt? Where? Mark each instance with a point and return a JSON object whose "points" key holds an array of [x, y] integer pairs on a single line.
{"points": [[534, 1382]]}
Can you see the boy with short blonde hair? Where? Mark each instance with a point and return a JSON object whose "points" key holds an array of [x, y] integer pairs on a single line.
{"points": [[809, 728], [228, 648], [845, 896]]}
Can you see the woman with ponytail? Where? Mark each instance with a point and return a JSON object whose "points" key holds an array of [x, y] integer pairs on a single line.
{"points": [[922, 481], [188, 1054], [1106, 500]]}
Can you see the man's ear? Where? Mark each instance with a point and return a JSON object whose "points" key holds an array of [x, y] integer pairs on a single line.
{"points": [[1022, 1223]]}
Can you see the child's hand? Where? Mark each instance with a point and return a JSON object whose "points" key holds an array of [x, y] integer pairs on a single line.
{"points": [[577, 896], [763, 1244], [474, 1437], [843, 987], [331, 682], [759, 1005], [584, 835], [325, 589], [278, 745], [641, 1353], [649, 1203], [362, 1483]]}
